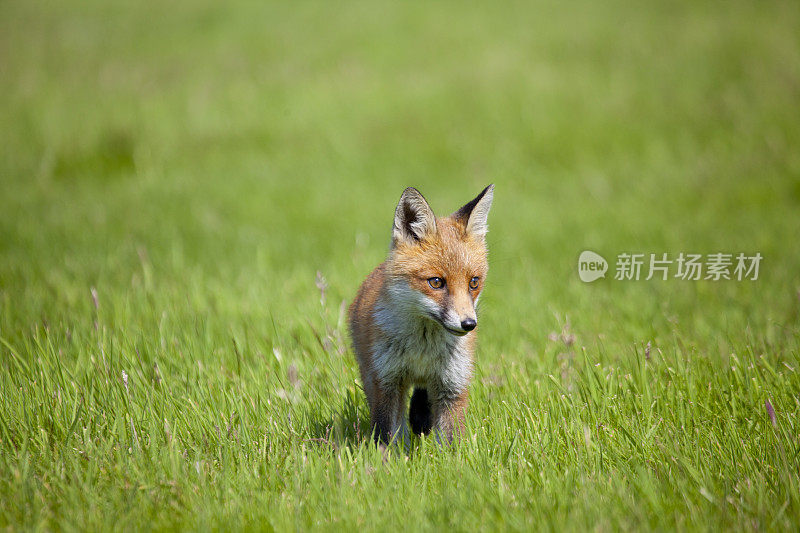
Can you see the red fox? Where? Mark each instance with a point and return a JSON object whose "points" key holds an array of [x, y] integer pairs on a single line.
{"points": [[413, 319]]}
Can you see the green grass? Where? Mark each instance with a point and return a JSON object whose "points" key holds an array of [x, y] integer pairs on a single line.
{"points": [[193, 165]]}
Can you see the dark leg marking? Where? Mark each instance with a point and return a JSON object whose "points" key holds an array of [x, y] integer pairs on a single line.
{"points": [[419, 415]]}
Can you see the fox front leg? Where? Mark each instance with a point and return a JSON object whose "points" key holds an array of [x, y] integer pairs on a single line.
{"points": [[388, 415], [448, 410]]}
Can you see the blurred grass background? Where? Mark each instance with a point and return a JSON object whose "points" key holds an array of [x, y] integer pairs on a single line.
{"points": [[197, 163]]}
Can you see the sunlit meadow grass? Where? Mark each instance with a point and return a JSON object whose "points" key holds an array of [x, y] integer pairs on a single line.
{"points": [[191, 193]]}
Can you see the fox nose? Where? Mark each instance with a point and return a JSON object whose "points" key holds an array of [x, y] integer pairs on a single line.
{"points": [[468, 324]]}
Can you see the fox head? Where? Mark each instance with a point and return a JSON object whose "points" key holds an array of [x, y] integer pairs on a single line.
{"points": [[437, 266]]}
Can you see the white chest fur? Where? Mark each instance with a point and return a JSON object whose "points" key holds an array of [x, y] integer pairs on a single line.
{"points": [[413, 348]]}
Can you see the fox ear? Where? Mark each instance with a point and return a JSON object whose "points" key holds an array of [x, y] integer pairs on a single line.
{"points": [[413, 218], [474, 215]]}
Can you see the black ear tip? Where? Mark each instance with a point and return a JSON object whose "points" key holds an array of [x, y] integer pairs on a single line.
{"points": [[489, 189]]}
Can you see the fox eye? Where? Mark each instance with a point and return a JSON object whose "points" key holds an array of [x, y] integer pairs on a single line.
{"points": [[474, 282], [436, 283]]}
